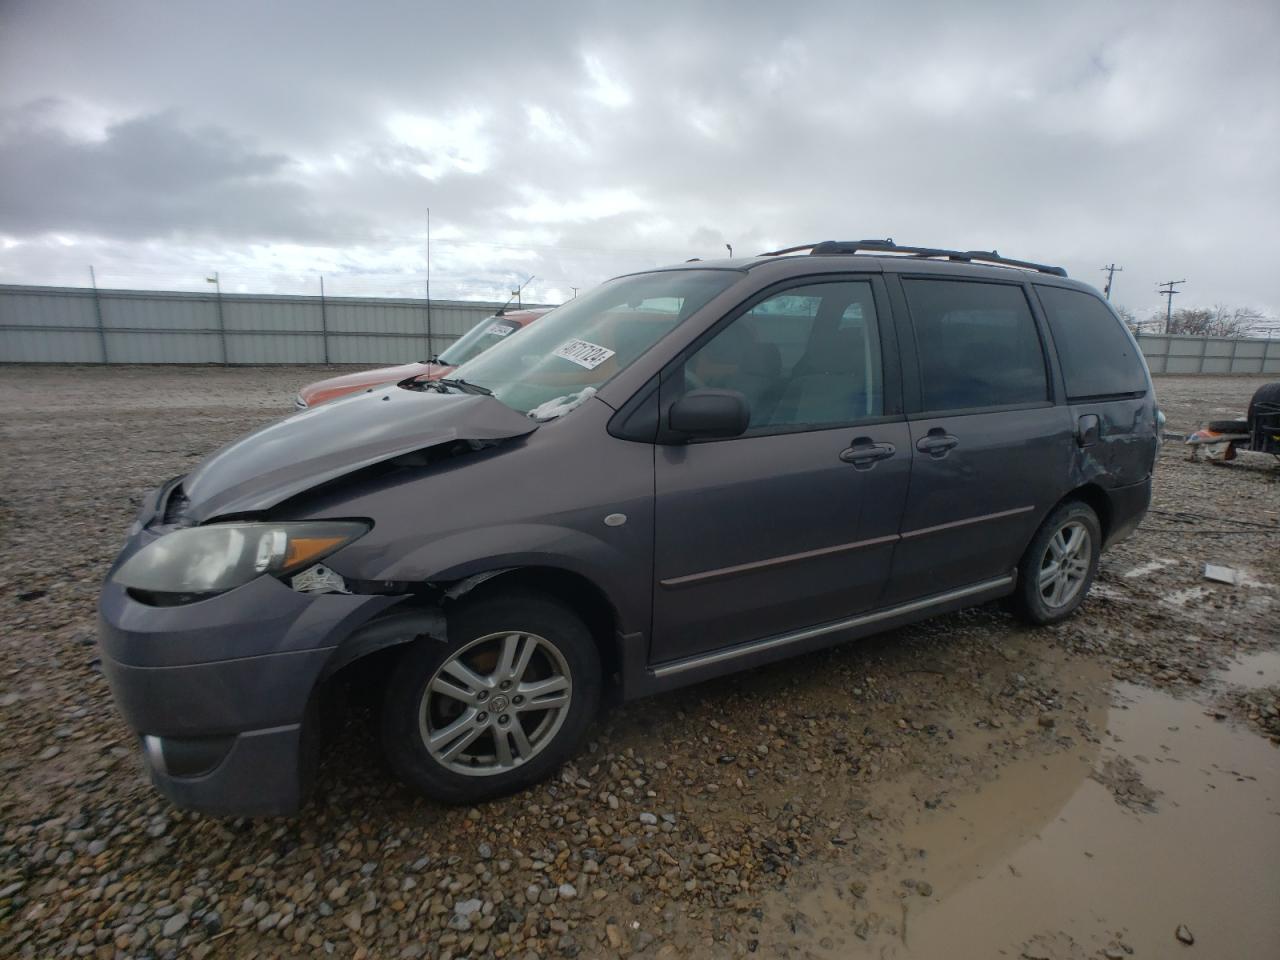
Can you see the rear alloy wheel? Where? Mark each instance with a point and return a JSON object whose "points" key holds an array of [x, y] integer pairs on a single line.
{"points": [[500, 706], [1059, 566], [1064, 566]]}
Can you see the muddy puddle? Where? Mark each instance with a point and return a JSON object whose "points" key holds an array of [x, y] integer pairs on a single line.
{"points": [[1139, 816], [1252, 672]]}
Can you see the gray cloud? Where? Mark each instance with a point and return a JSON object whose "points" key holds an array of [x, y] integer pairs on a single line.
{"points": [[573, 142], [148, 177]]}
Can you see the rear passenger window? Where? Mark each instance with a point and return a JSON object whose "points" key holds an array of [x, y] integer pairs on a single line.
{"points": [[1098, 358], [977, 343], [804, 359]]}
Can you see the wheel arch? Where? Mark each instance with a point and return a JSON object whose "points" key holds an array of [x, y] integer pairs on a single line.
{"points": [[579, 593], [1096, 498], [1090, 494], [428, 615]]}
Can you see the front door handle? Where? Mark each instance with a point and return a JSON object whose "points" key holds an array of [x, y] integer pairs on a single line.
{"points": [[864, 453], [936, 443]]}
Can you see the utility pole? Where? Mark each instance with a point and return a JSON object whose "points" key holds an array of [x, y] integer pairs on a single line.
{"points": [[1168, 293], [575, 292], [1111, 270], [729, 247]]}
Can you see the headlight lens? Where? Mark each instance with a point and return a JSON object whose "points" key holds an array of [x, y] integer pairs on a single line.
{"points": [[201, 561]]}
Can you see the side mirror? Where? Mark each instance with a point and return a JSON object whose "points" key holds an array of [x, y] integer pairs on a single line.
{"points": [[710, 413]]}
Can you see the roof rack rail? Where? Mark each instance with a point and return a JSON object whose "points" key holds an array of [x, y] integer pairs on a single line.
{"points": [[826, 248]]}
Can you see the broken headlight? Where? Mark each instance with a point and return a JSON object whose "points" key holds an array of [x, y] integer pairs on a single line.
{"points": [[198, 562]]}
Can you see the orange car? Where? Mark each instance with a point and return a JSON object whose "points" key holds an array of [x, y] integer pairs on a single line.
{"points": [[471, 344]]}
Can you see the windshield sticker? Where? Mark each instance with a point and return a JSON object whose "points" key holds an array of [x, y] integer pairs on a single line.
{"points": [[498, 329], [584, 353]]}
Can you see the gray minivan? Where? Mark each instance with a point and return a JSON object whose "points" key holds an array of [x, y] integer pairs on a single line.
{"points": [[682, 473]]}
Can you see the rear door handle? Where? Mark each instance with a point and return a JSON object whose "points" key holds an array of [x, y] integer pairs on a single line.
{"points": [[864, 453], [936, 443]]}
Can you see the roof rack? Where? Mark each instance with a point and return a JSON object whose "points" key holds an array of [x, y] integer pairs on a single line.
{"points": [[826, 248]]}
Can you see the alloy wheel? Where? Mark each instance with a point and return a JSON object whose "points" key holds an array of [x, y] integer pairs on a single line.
{"points": [[1065, 564], [495, 704]]}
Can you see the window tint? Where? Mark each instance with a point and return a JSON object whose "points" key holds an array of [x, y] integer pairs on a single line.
{"points": [[1096, 354], [808, 357], [977, 343]]}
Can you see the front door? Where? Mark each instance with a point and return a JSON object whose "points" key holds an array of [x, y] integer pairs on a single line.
{"points": [[793, 523], [990, 450]]}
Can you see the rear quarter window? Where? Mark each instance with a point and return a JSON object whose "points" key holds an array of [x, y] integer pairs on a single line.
{"points": [[977, 343], [1098, 357]]}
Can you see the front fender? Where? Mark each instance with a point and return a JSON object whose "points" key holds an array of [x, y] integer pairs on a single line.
{"points": [[611, 566]]}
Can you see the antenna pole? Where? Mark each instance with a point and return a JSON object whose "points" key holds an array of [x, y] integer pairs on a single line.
{"points": [[1168, 294], [431, 352]]}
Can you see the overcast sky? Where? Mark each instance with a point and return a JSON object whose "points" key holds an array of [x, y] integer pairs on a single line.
{"points": [[274, 141]]}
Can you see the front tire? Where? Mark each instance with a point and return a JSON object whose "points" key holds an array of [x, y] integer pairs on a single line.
{"points": [[1058, 568], [499, 707]]}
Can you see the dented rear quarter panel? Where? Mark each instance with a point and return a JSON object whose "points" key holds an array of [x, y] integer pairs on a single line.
{"points": [[1127, 443]]}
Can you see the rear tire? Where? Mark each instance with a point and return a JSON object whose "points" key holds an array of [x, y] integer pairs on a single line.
{"points": [[1058, 568], [1268, 396], [1264, 419], [499, 707]]}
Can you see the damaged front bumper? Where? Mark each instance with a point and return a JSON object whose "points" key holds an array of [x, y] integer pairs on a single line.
{"points": [[222, 692]]}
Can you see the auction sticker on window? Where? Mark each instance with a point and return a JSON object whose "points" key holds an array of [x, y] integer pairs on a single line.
{"points": [[498, 329], [584, 353]]}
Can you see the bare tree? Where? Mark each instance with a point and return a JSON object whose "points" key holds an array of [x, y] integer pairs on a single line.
{"points": [[1129, 317], [1221, 321]]}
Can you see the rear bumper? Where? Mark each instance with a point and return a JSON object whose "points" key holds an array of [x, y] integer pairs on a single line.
{"points": [[1129, 506]]}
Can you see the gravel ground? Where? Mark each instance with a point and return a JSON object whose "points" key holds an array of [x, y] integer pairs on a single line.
{"points": [[805, 810]]}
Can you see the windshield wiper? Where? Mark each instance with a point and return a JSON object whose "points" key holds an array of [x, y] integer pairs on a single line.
{"points": [[459, 384]]}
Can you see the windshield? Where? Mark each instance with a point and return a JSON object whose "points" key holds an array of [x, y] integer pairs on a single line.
{"points": [[477, 340], [569, 353]]}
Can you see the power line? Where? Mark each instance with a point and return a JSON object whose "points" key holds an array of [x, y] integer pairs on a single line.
{"points": [[1168, 310], [1111, 270]]}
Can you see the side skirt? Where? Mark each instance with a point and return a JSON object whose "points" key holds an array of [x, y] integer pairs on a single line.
{"points": [[641, 679]]}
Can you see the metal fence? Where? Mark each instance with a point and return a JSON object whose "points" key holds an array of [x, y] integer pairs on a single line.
{"points": [[83, 325], [1167, 353]]}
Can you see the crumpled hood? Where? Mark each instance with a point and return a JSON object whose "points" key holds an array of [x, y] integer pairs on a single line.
{"points": [[285, 458]]}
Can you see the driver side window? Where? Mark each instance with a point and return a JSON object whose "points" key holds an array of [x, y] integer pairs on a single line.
{"points": [[805, 358]]}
